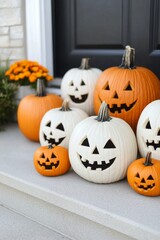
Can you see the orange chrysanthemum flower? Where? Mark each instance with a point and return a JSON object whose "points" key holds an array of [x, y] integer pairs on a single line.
{"points": [[26, 72]]}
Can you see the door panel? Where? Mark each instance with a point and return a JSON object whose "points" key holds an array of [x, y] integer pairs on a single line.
{"points": [[94, 28], [101, 29]]}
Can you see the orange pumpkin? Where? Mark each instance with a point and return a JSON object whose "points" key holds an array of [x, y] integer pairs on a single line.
{"points": [[126, 89], [144, 176], [51, 161], [32, 108]]}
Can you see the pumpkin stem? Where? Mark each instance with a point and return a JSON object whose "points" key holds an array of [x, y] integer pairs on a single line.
{"points": [[65, 106], [50, 146], [85, 64], [128, 58], [148, 160], [103, 114], [40, 88]]}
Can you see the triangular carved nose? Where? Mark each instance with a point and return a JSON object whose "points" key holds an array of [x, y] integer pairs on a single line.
{"points": [[115, 95], [47, 160], [76, 89], [143, 181], [95, 151]]}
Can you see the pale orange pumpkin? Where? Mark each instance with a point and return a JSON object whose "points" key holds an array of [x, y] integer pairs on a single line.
{"points": [[32, 108], [51, 161], [126, 89]]}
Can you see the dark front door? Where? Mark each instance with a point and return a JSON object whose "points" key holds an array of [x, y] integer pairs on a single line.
{"points": [[100, 29]]}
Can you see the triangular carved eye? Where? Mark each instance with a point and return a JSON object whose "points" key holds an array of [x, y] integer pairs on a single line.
{"points": [[109, 144], [128, 87], [60, 127], [71, 83], [148, 125], [158, 134], [106, 87], [85, 143], [48, 124], [42, 155], [150, 177], [82, 83], [137, 175], [53, 156]]}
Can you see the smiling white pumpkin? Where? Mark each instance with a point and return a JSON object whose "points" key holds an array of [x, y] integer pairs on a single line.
{"points": [[101, 148]]}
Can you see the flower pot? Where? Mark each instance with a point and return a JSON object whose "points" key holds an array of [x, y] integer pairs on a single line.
{"points": [[24, 91]]}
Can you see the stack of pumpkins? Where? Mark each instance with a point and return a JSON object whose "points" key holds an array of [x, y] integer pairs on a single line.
{"points": [[100, 148]]}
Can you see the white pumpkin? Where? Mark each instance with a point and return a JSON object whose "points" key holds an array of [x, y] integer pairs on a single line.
{"points": [[78, 86], [58, 123], [148, 130], [101, 148]]}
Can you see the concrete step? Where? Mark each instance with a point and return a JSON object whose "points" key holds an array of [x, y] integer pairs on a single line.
{"points": [[68, 204], [17, 227]]}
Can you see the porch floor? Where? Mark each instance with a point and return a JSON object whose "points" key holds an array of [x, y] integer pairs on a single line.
{"points": [[67, 204]]}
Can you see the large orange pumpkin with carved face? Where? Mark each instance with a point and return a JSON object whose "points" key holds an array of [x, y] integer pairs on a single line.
{"points": [[126, 89]]}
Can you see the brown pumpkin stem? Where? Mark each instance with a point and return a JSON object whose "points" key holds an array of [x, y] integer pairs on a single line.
{"points": [[65, 106], [128, 58], [148, 160], [41, 91], [85, 63], [103, 114]]}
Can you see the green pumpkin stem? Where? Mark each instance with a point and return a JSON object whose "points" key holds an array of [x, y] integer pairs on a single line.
{"points": [[103, 114], [85, 63], [148, 160], [41, 91], [65, 106], [128, 58]]}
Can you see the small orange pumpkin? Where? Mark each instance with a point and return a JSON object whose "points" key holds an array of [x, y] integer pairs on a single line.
{"points": [[126, 89], [51, 161], [143, 176], [32, 108]]}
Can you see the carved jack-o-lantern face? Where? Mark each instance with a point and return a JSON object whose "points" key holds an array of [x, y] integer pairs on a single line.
{"points": [[117, 103], [53, 134], [50, 161], [57, 125], [117, 97], [97, 148], [144, 184], [144, 176], [95, 160], [78, 91], [148, 130]]}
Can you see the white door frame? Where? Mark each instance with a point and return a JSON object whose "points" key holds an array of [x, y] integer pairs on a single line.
{"points": [[39, 42]]}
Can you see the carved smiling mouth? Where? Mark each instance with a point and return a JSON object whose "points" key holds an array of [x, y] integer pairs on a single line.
{"points": [[147, 187], [52, 140], [49, 167], [116, 108], [153, 143], [119, 107], [103, 165], [79, 100]]}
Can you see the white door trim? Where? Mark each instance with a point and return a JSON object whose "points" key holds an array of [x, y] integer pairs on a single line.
{"points": [[39, 32]]}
